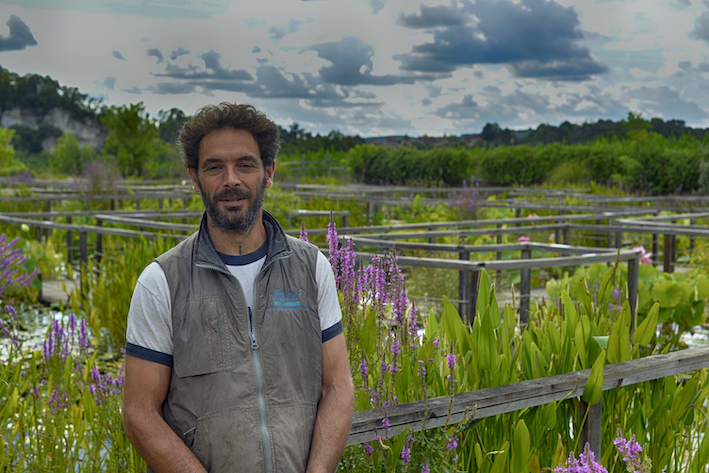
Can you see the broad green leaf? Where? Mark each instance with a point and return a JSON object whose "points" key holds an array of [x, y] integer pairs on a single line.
{"points": [[487, 351], [702, 282], [369, 335], [521, 447], [570, 313], [594, 385], [683, 396], [533, 464], [500, 462], [703, 451], [646, 330], [494, 310], [559, 457], [602, 341], [581, 337], [549, 415], [431, 325], [478, 455], [483, 292], [668, 293]]}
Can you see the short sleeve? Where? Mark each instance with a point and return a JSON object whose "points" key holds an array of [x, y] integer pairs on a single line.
{"points": [[328, 301], [149, 324]]}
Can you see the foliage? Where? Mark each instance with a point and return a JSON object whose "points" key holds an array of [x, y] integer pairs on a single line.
{"points": [[59, 410], [42, 94], [681, 297], [108, 288], [440, 166], [68, 157], [133, 138], [8, 164], [99, 177]]}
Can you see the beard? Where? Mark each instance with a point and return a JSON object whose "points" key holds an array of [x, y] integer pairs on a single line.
{"points": [[238, 220]]}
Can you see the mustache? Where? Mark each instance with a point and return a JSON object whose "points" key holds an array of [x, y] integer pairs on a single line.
{"points": [[232, 193]]}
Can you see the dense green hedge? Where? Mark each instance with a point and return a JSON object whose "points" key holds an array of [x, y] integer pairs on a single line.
{"points": [[652, 164], [440, 166]]}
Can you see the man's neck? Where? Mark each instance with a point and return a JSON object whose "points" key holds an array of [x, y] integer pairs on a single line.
{"points": [[236, 244]]}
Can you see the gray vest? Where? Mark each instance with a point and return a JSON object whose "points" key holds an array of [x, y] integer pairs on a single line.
{"points": [[245, 387]]}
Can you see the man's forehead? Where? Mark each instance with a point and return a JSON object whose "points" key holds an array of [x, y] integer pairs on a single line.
{"points": [[226, 141]]}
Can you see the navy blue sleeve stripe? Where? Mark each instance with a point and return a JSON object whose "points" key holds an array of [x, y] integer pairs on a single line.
{"points": [[148, 354], [332, 332]]}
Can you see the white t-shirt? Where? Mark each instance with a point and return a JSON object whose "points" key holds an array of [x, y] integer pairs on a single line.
{"points": [[149, 331]]}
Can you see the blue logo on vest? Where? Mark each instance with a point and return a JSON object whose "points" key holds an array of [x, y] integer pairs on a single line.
{"points": [[287, 300]]}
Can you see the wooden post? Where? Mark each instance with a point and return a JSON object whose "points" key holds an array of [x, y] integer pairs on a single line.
{"points": [[516, 216], [692, 238], [83, 248], [567, 235], [557, 233], [432, 239], [525, 286], [655, 249], [609, 235], [592, 428], [69, 242], [667, 256], [599, 222], [618, 239], [98, 254], [633, 284], [464, 294]]}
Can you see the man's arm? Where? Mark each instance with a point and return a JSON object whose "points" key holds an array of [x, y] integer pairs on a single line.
{"points": [[146, 385], [332, 423]]}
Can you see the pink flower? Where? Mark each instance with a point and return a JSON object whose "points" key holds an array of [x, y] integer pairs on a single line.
{"points": [[522, 239], [645, 257]]}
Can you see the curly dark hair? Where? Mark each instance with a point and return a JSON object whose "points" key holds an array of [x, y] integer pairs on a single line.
{"points": [[228, 115]]}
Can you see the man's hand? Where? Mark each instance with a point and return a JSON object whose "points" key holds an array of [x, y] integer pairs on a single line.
{"points": [[332, 423], [146, 386]]}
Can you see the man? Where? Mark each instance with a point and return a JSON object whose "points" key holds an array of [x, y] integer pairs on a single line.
{"points": [[235, 356]]}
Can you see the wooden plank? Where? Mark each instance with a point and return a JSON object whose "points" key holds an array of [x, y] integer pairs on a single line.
{"points": [[512, 397]]}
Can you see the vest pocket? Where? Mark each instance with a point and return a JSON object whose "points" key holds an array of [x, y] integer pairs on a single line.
{"points": [[229, 442], [202, 338]]}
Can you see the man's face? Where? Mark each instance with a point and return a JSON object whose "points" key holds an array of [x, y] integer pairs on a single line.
{"points": [[231, 178]]}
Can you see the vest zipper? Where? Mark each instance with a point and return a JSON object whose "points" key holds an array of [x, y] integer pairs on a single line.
{"points": [[260, 395], [268, 460]]}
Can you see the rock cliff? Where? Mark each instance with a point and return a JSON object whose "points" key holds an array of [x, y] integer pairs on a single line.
{"points": [[88, 131]]}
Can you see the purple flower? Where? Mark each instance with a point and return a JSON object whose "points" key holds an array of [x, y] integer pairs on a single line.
{"points": [[631, 452], [452, 443], [368, 449], [425, 468], [386, 424], [406, 455], [303, 233], [363, 371], [332, 238], [437, 342], [616, 293]]}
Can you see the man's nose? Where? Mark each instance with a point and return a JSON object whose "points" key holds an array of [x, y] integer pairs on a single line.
{"points": [[233, 178]]}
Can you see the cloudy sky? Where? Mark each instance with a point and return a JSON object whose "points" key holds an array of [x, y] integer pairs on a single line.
{"points": [[376, 67]]}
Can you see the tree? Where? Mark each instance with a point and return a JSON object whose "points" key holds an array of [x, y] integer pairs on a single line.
{"points": [[170, 123], [69, 157], [133, 138], [8, 164]]}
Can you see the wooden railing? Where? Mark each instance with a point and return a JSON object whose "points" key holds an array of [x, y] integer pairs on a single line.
{"points": [[437, 412]]}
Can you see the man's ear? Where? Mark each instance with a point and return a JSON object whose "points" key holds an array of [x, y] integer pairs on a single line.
{"points": [[195, 181], [269, 174]]}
